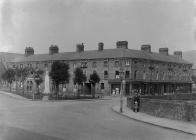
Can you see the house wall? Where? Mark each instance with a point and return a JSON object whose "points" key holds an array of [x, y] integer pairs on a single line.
{"points": [[167, 72]]}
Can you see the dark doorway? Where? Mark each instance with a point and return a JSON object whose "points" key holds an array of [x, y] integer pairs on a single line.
{"points": [[127, 89], [87, 88]]}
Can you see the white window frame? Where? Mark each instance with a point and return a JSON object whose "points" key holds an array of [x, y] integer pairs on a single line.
{"points": [[127, 62]]}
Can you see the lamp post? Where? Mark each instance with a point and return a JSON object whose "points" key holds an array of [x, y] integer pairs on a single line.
{"points": [[122, 88]]}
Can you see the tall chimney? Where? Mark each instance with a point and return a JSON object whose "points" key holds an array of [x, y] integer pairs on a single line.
{"points": [[146, 48], [164, 51], [80, 47], [122, 44], [29, 51], [100, 46], [53, 49], [178, 54]]}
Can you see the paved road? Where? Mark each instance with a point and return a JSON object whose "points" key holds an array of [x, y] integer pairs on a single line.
{"points": [[73, 120]]}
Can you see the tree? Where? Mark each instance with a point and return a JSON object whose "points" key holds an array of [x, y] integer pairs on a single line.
{"points": [[94, 78], [79, 77], [59, 74], [9, 76]]}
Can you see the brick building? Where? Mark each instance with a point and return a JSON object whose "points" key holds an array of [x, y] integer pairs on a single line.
{"points": [[151, 72]]}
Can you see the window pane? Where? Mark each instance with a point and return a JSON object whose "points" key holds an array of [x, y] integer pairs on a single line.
{"points": [[94, 64], [102, 86], [105, 63]]}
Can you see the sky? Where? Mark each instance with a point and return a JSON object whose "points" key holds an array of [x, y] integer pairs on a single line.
{"points": [[41, 23]]}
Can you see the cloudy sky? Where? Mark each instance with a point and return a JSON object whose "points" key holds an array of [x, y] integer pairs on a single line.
{"points": [[40, 23]]}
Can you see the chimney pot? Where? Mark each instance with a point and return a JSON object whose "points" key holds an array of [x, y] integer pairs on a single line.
{"points": [[178, 54], [164, 51], [146, 48], [29, 51], [53, 49], [80, 47], [100, 46], [122, 44]]}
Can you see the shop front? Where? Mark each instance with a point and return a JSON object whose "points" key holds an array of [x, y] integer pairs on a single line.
{"points": [[116, 87]]}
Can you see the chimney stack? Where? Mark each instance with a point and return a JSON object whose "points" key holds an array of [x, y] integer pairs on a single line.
{"points": [[178, 54], [53, 49], [29, 51], [100, 46], [122, 44], [146, 48], [80, 47], [164, 51]]}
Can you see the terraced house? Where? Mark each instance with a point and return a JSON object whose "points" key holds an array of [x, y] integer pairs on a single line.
{"points": [[150, 72]]}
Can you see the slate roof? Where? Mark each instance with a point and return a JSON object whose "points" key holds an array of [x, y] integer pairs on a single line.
{"points": [[5, 56], [104, 54]]}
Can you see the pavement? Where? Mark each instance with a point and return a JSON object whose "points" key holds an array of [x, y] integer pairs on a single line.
{"points": [[14, 95], [186, 127]]}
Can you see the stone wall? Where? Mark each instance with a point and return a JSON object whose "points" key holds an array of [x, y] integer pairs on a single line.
{"points": [[177, 110], [181, 96]]}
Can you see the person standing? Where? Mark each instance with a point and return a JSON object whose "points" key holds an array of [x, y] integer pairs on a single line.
{"points": [[138, 101]]}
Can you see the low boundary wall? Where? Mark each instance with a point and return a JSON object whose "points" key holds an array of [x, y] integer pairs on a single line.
{"points": [[172, 109]]}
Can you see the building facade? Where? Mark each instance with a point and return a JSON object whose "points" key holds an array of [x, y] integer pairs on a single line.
{"points": [[144, 70]]}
